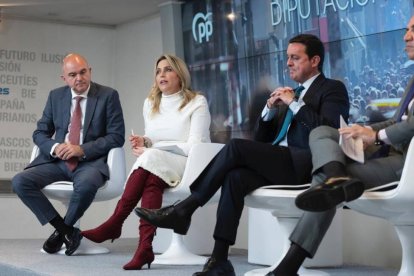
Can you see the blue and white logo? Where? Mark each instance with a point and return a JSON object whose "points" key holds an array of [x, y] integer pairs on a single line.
{"points": [[202, 27]]}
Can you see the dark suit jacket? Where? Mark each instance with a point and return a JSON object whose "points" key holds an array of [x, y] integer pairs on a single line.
{"points": [[325, 100], [103, 126]]}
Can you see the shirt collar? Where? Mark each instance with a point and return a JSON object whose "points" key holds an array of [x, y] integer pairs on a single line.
{"points": [[84, 94], [308, 82]]}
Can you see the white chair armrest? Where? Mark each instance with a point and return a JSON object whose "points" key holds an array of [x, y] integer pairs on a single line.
{"points": [[35, 153], [198, 158], [405, 189], [114, 186]]}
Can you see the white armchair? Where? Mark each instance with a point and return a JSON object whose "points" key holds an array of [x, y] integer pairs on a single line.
{"points": [[114, 186], [395, 205], [198, 158], [279, 200]]}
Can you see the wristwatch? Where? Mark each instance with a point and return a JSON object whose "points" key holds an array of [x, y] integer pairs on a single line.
{"points": [[378, 142]]}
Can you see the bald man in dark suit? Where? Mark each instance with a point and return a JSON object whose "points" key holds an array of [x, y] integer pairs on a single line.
{"points": [[100, 128]]}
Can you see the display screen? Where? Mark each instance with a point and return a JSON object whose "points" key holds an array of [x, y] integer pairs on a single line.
{"points": [[236, 52]]}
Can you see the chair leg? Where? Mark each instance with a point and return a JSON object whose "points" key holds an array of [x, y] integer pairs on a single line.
{"points": [[178, 254], [286, 227], [406, 234]]}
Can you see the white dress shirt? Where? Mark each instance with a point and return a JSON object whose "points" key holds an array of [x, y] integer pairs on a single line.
{"points": [[72, 108], [269, 113]]}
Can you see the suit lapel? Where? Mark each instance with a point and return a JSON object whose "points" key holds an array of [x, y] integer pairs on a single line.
{"points": [[90, 108], [314, 89], [66, 103], [310, 97]]}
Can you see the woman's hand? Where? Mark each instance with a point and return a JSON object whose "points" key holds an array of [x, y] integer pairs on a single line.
{"points": [[136, 141], [138, 151]]}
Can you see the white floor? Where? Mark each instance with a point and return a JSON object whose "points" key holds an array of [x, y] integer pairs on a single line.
{"points": [[23, 258]]}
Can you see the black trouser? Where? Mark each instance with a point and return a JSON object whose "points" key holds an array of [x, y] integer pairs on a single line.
{"points": [[239, 168]]}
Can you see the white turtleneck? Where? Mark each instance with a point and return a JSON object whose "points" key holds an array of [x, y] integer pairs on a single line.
{"points": [[180, 127], [172, 126]]}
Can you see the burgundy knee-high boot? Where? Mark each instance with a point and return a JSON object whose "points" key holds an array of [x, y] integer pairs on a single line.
{"points": [[151, 199], [112, 227]]}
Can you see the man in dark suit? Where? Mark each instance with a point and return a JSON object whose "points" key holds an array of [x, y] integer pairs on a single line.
{"points": [[243, 165], [80, 123], [337, 179]]}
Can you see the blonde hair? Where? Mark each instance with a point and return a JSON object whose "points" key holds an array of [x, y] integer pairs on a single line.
{"points": [[180, 68]]}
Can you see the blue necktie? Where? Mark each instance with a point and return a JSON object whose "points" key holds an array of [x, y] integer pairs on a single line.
{"points": [[406, 102], [288, 118]]}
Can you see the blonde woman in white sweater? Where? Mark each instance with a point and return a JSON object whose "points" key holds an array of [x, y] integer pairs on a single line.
{"points": [[176, 116]]}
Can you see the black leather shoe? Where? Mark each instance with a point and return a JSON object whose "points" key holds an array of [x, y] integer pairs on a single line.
{"points": [[216, 268], [328, 195], [54, 243], [72, 241], [166, 217]]}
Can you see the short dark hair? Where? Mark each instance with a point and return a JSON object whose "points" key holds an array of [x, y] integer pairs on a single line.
{"points": [[314, 46]]}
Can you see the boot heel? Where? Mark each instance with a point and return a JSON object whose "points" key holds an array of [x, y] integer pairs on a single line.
{"points": [[352, 191], [142, 257], [182, 229], [181, 226]]}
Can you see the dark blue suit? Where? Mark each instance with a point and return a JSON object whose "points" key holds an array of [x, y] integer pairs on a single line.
{"points": [[103, 129], [243, 166]]}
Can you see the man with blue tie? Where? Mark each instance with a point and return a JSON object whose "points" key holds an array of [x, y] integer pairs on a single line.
{"points": [[280, 155], [80, 123], [338, 179]]}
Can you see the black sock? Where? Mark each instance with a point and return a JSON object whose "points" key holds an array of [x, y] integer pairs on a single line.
{"points": [[334, 169], [61, 226], [188, 206], [292, 261], [220, 250]]}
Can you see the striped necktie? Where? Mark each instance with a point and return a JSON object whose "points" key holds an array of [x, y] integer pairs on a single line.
{"points": [[288, 118]]}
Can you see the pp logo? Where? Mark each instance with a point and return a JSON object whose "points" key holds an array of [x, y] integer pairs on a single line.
{"points": [[202, 27]]}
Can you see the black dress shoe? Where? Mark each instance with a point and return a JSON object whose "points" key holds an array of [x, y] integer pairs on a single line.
{"points": [[72, 241], [166, 217], [328, 195], [54, 243], [216, 268]]}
